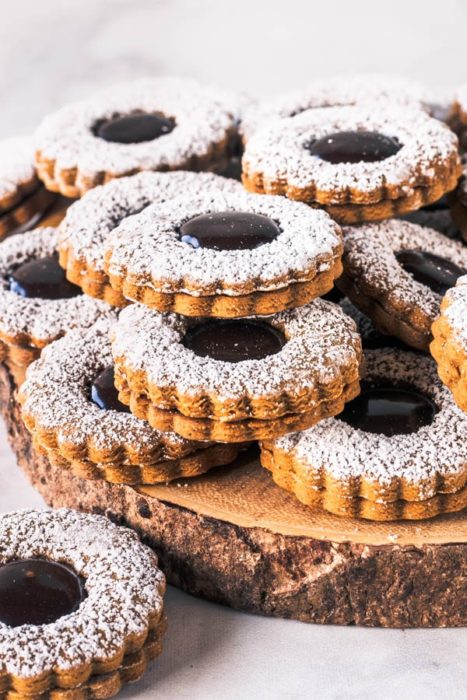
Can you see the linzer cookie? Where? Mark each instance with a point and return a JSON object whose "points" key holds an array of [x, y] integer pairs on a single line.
{"points": [[396, 451], [449, 347], [359, 163], [150, 124], [335, 91], [81, 606], [396, 272], [71, 407], [225, 255], [37, 303], [91, 221], [23, 199], [236, 380]]}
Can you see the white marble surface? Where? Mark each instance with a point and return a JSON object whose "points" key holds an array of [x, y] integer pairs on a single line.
{"points": [[55, 50]]}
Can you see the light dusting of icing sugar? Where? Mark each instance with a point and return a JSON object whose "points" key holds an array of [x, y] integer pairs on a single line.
{"points": [[56, 395], [42, 320], [202, 114], [346, 452], [124, 590], [335, 91], [16, 165], [147, 248], [455, 310], [91, 220], [321, 344], [369, 260], [365, 325], [280, 152]]}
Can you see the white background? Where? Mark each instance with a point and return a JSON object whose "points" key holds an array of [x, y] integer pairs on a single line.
{"points": [[52, 51]]}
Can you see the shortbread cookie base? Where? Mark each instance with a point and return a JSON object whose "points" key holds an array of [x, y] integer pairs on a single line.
{"points": [[234, 537], [186, 467], [226, 306], [387, 323], [233, 432], [350, 214], [101, 684], [339, 501], [25, 210], [451, 359], [17, 355]]}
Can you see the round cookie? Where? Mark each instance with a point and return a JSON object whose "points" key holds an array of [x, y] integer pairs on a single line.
{"points": [[225, 255], [93, 219], [396, 272], [396, 451], [151, 124], [449, 346], [71, 407], [236, 380], [334, 91], [81, 605], [23, 200], [37, 303], [359, 163]]}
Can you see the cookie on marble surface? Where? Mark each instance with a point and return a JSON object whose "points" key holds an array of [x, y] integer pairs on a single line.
{"points": [[239, 379], [71, 407], [397, 272], [81, 606], [225, 254], [360, 163], [396, 451], [150, 124]]}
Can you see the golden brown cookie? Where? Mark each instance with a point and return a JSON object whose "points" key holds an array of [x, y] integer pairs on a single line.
{"points": [[397, 450], [71, 407], [225, 254], [37, 303], [359, 163], [81, 605], [236, 380], [150, 124], [23, 200], [449, 345], [396, 272]]}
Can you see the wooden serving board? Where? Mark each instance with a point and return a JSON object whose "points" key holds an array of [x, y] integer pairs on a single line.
{"points": [[233, 536]]}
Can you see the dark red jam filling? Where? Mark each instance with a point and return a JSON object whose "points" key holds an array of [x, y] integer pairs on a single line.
{"points": [[42, 279], [354, 147], [435, 272], [229, 230], [234, 340], [134, 128], [104, 394]]}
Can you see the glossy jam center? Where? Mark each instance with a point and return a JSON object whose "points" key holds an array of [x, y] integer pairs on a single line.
{"points": [[104, 394], [134, 128], [229, 230], [37, 592], [234, 341], [354, 147], [42, 278], [389, 410], [431, 270]]}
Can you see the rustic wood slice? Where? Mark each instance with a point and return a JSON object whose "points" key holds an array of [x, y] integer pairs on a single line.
{"points": [[234, 537]]}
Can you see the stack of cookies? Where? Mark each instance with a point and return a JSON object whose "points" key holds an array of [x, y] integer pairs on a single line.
{"points": [[176, 315]]}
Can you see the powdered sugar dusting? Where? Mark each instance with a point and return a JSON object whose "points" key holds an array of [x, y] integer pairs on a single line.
{"points": [[124, 589], [147, 248], [42, 320], [321, 344], [369, 259], [203, 117], [16, 165], [56, 395], [346, 452], [90, 221], [456, 310], [279, 151]]}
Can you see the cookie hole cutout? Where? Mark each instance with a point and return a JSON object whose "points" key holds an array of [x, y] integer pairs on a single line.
{"points": [[136, 127], [229, 230], [234, 340], [354, 147], [435, 272], [38, 592], [104, 393], [388, 409], [42, 278]]}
